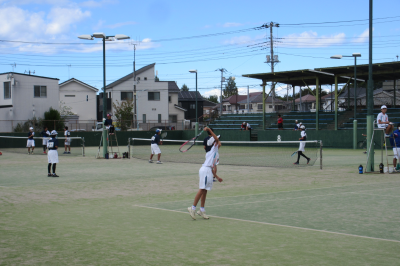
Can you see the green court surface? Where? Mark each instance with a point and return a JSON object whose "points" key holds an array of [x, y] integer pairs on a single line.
{"points": [[130, 212]]}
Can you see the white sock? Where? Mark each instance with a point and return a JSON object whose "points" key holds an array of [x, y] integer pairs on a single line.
{"points": [[202, 209], [193, 207]]}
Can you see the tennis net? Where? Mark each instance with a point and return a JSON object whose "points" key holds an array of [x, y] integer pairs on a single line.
{"points": [[12, 144], [243, 153]]}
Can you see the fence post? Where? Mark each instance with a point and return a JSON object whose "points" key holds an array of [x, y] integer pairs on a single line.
{"points": [[54, 121]]}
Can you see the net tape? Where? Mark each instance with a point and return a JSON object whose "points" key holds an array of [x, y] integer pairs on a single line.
{"points": [[245, 153]]}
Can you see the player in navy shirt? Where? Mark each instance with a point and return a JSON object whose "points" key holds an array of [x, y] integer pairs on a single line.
{"points": [[45, 135], [52, 155], [155, 141], [31, 142], [109, 125]]}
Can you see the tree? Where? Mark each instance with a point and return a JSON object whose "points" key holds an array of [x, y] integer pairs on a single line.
{"points": [[123, 113], [53, 118], [184, 88], [230, 88], [213, 98], [65, 110]]}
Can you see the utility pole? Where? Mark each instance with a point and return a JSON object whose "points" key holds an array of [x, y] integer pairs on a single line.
{"points": [[134, 84], [272, 59], [68, 69], [222, 80]]}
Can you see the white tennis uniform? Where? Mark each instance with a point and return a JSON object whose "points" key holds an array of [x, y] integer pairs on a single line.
{"points": [[52, 155], [383, 118], [31, 142], [302, 143], [209, 143], [205, 172], [155, 149], [396, 153], [67, 135], [44, 140]]}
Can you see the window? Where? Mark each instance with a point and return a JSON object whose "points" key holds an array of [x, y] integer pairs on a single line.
{"points": [[126, 96], [69, 95], [173, 118], [145, 78], [138, 78], [7, 90], [259, 106], [154, 96], [169, 98], [270, 106], [192, 106], [159, 118], [144, 118], [40, 91], [242, 106]]}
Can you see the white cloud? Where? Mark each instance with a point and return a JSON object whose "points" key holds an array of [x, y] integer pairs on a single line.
{"points": [[311, 39], [231, 24], [212, 92], [92, 3], [243, 91], [363, 37], [239, 40], [62, 18]]}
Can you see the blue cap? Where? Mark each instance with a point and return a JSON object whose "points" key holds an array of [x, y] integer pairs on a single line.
{"points": [[158, 130]]}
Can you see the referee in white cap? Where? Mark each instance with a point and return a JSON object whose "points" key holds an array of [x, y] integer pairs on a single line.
{"points": [[383, 121]]}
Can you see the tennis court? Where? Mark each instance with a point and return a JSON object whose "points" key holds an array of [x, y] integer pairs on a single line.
{"points": [[119, 212]]}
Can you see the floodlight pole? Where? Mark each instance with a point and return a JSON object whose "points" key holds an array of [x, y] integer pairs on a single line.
{"points": [[104, 100], [370, 97]]}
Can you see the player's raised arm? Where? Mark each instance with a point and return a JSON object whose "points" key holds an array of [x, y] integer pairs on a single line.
{"points": [[217, 142]]}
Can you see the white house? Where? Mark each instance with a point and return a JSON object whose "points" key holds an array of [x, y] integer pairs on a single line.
{"points": [[81, 97], [157, 101], [24, 97]]}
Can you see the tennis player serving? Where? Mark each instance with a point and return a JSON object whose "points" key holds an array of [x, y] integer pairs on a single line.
{"points": [[206, 173]]}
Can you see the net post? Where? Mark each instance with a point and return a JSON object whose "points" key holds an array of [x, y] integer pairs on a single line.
{"points": [[129, 148], [320, 154], [83, 146]]}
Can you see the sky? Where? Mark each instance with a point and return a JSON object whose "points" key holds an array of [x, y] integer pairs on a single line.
{"points": [[41, 36]]}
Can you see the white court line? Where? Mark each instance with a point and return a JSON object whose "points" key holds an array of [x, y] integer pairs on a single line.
{"points": [[380, 195], [281, 225]]}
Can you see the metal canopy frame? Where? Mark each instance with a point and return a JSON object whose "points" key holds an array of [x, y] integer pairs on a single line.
{"points": [[328, 76]]}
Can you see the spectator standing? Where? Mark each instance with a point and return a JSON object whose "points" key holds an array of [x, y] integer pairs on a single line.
{"points": [[243, 126], [280, 122]]}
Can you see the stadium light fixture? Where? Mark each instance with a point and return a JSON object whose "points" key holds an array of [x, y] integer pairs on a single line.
{"points": [[101, 35]]}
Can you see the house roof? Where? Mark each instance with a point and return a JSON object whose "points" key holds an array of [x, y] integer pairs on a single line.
{"points": [[259, 99], [78, 81], [235, 99], [207, 103], [172, 87], [189, 96], [306, 99], [34, 76], [180, 108], [130, 75]]}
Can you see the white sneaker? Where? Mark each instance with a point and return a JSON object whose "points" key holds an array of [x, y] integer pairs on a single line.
{"points": [[387, 136], [203, 214], [150, 161], [159, 162], [29, 153], [32, 152], [192, 213]]}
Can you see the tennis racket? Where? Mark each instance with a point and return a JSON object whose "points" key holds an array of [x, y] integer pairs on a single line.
{"points": [[163, 135], [189, 144], [293, 153]]}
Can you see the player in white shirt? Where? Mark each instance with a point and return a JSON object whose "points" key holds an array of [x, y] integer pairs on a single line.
{"points": [[67, 142], [383, 121], [302, 145], [31, 142], [206, 173]]}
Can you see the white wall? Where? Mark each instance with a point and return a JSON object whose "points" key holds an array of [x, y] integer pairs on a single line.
{"points": [[86, 110], [150, 108], [174, 111]]}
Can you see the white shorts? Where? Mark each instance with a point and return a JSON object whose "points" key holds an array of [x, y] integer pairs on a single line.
{"points": [[383, 126], [67, 142], [30, 143], [396, 153], [302, 146], [52, 156], [155, 149], [205, 178], [44, 141]]}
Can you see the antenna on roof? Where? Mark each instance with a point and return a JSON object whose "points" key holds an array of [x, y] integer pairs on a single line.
{"points": [[14, 65]]}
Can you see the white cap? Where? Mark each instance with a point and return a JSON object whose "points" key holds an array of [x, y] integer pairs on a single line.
{"points": [[244, 122], [297, 121], [383, 107], [31, 128], [53, 132], [303, 127], [300, 123]]}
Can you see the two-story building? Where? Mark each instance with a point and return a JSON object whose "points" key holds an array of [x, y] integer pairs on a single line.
{"points": [[24, 97], [157, 101]]}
